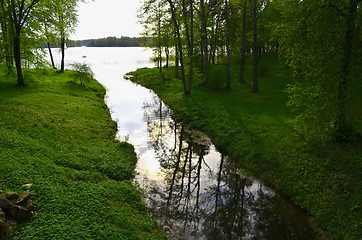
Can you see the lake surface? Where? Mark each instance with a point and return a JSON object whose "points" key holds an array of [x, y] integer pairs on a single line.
{"points": [[192, 190]]}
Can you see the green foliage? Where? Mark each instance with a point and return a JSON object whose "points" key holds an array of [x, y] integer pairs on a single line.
{"points": [[255, 129], [60, 137], [312, 35], [60, 17], [83, 72]]}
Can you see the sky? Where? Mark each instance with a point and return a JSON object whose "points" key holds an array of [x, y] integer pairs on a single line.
{"points": [[107, 18]]}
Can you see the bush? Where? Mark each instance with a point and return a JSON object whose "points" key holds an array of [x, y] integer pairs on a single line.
{"points": [[83, 72]]}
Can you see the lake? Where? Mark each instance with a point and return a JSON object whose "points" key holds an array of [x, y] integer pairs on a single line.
{"points": [[191, 189]]}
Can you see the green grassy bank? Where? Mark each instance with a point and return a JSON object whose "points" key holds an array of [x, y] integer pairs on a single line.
{"points": [[255, 129], [59, 136]]}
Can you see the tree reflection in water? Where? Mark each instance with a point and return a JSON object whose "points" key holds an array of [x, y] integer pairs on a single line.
{"points": [[203, 195]]}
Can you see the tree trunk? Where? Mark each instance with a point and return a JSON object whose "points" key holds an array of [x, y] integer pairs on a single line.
{"points": [[191, 73], [179, 43], [350, 19], [167, 52], [51, 55], [215, 42], [204, 43], [255, 46], [17, 55], [243, 47], [159, 43], [190, 42], [201, 62], [62, 47], [160, 59], [228, 84], [176, 62]]}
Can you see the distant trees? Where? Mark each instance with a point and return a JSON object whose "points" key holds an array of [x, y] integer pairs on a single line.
{"points": [[115, 42]]}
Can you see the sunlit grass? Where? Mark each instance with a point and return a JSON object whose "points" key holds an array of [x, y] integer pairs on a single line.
{"points": [[59, 136]]}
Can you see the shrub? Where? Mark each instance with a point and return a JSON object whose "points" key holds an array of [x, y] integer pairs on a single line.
{"points": [[83, 72]]}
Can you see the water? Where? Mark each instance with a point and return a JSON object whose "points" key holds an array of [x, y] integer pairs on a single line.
{"points": [[192, 190]]}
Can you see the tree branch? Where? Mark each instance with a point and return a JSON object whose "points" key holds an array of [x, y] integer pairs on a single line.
{"points": [[27, 12]]}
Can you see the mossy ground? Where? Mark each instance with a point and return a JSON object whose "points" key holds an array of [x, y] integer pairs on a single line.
{"points": [[59, 136], [255, 128]]}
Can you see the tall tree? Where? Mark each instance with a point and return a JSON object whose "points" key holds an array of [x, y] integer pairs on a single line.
{"points": [[188, 17], [176, 23], [6, 35], [204, 36], [255, 44], [48, 27], [20, 12], [228, 76], [65, 16], [243, 44], [151, 17]]}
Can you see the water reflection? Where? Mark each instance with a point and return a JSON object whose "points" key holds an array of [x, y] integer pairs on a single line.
{"points": [[193, 191], [200, 193]]}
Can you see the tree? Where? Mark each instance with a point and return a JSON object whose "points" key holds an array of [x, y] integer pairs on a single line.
{"points": [[204, 37], [177, 24], [6, 36], [255, 44], [243, 44], [228, 85], [65, 20], [188, 17], [318, 39], [151, 15], [48, 28], [20, 12], [155, 18]]}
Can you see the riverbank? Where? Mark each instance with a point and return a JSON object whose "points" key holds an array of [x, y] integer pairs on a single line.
{"points": [[255, 129], [59, 136]]}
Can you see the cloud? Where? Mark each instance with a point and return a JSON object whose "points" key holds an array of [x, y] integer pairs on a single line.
{"points": [[103, 18]]}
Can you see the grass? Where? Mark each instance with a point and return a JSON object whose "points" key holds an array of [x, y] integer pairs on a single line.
{"points": [[255, 129], [59, 136]]}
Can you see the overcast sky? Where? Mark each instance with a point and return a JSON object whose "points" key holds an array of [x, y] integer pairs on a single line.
{"points": [[104, 18]]}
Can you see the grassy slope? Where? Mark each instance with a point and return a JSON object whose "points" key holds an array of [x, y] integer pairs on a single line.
{"points": [[255, 129], [59, 136]]}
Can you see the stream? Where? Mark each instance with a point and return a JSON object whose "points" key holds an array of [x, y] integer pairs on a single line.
{"points": [[191, 189]]}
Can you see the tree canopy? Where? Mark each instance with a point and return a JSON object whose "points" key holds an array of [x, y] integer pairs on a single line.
{"points": [[318, 39]]}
